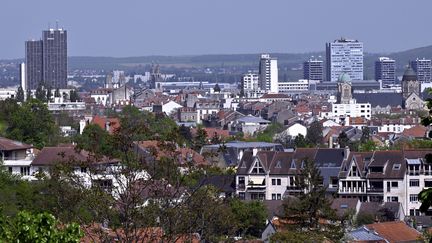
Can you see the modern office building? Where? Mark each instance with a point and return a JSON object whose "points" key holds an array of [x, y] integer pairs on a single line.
{"points": [[385, 70], [344, 56], [423, 68], [313, 69], [34, 68], [46, 60], [268, 74]]}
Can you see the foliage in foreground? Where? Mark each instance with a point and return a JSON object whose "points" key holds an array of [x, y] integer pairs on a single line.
{"points": [[42, 227]]}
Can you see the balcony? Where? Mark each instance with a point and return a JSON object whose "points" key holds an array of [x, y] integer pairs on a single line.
{"points": [[375, 190], [352, 190]]}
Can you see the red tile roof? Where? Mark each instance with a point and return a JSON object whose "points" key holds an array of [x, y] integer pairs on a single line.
{"points": [[395, 231], [185, 154], [114, 123], [418, 131]]}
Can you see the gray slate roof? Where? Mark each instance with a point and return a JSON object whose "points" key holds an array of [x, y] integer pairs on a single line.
{"points": [[379, 99]]}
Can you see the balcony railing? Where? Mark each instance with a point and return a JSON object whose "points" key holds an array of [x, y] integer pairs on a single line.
{"points": [[375, 189], [351, 190], [18, 158]]}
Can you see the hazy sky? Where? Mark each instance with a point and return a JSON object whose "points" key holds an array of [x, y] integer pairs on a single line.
{"points": [[179, 27]]}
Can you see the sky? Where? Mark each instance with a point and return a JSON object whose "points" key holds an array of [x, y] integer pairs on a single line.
{"points": [[123, 28]]}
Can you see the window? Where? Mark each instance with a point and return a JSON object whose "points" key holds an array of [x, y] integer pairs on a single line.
{"points": [[276, 196], [241, 180], [83, 170], [413, 198], [392, 199], [25, 170], [278, 165], [394, 184], [10, 170], [242, 195], [276, 182], [414, 183], [428, 183], [291, 181], [258, 169]]}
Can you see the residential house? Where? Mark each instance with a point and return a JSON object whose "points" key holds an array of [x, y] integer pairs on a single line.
{"points": [[387, 176], [396, 231], [248, 125], [16, 157], [91, 172], [270, 175]]}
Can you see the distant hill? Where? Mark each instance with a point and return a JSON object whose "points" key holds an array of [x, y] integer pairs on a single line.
{"points": [[288, 62]]}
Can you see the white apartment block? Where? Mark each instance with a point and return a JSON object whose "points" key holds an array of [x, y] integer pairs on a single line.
{"points": [[250, 82], [387, 176], [296, 86], [268, 74]]}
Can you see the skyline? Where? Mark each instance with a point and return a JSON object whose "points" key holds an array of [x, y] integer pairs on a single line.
{"points": [[135, 28]]}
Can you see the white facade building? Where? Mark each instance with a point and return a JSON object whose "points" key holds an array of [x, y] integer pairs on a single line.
{"points": [[295, 86], [250, 82], [344, 56], [268, 74]]}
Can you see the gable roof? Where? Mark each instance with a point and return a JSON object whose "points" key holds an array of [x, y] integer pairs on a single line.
{"points": [[342, 205], [417, 131], [395, 231], [388, 159], [51, 155], [10, 145]]}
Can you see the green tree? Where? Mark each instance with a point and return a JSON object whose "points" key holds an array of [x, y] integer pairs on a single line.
{"points": [[364, 218], [365, 134], [343, 140], [57, 93], [200, 138], [309, 209], [250, 217], [314, 134], [42, 227], [20, 94], [73, 96], [28, 95], [32, 123], [41, 94], [300, 141], [49, 94], [96, 140], [367, 146]]}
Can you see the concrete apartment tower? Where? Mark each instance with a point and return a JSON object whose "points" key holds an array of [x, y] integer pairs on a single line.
{"points": [[385, 70], [268, 74], [46, 60], [344, 56]]}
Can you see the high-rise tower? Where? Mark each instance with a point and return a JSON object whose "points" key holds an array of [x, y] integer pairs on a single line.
{"points": [[268, 74], [46, 60], [344, 56], [385, 70]]}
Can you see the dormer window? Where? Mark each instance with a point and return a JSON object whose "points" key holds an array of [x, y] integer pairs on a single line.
{"points": [[278, 165], [396, 166], [293, 166], [258, 169]]}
